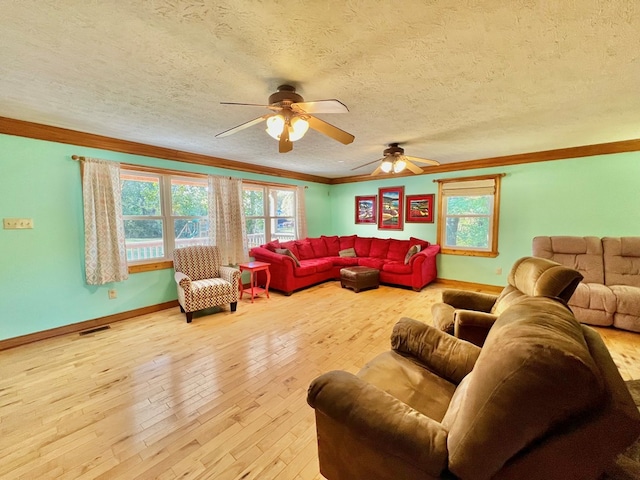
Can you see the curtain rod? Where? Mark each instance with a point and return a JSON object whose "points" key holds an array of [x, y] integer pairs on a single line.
{"points": [[80, 158]]}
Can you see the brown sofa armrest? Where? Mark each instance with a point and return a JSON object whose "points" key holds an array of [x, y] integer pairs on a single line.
{"points": [[445, 355], [378, 418], [473, 326], [481, 302]]}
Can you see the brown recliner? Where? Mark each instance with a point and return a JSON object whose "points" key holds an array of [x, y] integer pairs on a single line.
{"points": [[542, 399], [469, 315]]}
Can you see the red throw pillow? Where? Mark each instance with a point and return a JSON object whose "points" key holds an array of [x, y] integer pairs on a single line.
{"points": [[379, 247], [333, 245], [273, 245], [347, 242], [363, 246], [292, 247], [398, 249], [305, 251], [319, 247]]}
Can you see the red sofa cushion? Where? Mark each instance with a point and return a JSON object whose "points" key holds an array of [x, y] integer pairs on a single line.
{"points": [[379, 247], [397, 250], [321, 264], [347, 242], [396, 267], [319, 247], [293, 248], [362, 246], [371, 262], [416, 241], [305, 250], [332, 244], [344, 261]]}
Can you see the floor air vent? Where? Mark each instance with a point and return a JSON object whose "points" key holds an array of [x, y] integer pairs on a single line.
{"points": [[94, 330]]}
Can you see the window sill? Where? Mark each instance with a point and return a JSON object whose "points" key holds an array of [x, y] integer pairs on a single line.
{"points": [[468, 253], [150, 267]]}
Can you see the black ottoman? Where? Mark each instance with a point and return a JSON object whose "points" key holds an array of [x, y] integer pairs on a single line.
{"points": [[359, 278]]}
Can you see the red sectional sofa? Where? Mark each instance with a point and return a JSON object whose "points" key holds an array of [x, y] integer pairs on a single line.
{"points": [[320, 260]]}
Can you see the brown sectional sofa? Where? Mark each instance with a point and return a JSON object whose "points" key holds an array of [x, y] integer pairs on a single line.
{"points": [[542, 399], [319, 260], [609, 295]]}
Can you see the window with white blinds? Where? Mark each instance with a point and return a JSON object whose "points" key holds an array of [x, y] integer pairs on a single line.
{"points": [[468, 215]]}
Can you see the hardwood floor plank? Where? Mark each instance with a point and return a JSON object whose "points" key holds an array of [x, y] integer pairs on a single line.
{"points": [[221, 398]]}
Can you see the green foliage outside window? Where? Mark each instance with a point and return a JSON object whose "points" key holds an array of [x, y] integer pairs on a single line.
{"points": [[467, 221]]}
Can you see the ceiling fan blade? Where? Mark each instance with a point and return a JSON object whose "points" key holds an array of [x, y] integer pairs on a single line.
{"points": [[285, 145], [376, 171], [244, 104], [413, 167], [330, 131], [321, 106], [369, 163], [242, 126], [422, 160]]}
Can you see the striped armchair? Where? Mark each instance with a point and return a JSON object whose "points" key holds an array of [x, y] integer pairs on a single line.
{"points": [[202, 282]]}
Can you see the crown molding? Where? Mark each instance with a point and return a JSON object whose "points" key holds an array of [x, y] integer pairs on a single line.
{"points": [[39, 131]]}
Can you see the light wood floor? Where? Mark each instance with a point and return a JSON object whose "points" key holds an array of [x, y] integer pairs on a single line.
{"points": [[221, 398]]}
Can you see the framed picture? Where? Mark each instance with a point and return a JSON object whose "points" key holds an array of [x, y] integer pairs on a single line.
{"points": [[390, 203], [366, 209], [420, 208]]}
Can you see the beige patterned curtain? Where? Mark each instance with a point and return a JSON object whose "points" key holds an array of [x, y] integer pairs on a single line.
{"points": [[301, 214], [226, 219], [105, 255]]}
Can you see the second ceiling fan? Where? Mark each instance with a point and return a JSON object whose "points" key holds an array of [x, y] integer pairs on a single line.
{"points": [[292, 118], [395, 161]]}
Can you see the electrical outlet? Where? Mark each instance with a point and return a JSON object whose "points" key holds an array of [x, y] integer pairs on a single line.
{"points": [[17, 223], [113, 294], [499, 271]]}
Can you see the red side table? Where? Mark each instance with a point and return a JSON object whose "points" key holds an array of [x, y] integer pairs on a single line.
{"points": [[254, 267]]}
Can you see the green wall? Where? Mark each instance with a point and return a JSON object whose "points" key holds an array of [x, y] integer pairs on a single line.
{"points": [[42, 272], [597, 195]]}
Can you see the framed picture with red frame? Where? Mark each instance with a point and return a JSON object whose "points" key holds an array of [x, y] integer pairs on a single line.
{"points": [[366, 209], [390, 205], [420, 208]]}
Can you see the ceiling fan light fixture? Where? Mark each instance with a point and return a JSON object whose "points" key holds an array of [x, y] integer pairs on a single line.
{"points": [[275, 125], [299, 127], [399, 165], [386, 166]]}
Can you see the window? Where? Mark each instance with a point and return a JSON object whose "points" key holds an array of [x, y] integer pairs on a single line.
{"points": [[270, 213], [468, 215], [162, 212]]}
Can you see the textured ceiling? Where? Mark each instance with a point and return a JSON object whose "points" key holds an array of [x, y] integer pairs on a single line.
{"points": [[451, 80]]}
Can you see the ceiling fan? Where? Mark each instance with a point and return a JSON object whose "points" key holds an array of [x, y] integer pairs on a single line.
{"points": [[395, 161], [292, 118]]}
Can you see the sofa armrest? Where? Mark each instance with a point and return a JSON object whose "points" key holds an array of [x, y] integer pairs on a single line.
{"points": [[378, 418], [473, 326], [481, 302], [230, 274], [183, 280], [445, 355], [422, 255]]}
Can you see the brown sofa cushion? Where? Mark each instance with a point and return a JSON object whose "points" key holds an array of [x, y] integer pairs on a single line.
{"points": [[534, 373], [621, 261], [583, 254]]}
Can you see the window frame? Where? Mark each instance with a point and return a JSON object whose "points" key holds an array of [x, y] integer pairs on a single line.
{"points": [[494, 218], [267, 216]]}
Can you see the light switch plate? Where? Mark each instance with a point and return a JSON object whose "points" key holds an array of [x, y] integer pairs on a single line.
{"points": [[17, 223]]}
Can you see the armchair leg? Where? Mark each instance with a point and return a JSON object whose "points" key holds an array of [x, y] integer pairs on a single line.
{"points": [[181, 309], [234, 305], [189, 316]]}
